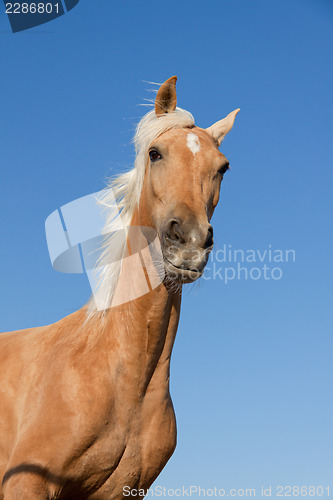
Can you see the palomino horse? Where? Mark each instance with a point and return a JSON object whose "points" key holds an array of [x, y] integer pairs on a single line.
{"points": [[85, 408]]}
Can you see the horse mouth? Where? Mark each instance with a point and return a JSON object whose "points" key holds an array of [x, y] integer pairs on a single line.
{"points": [[183, 274]]}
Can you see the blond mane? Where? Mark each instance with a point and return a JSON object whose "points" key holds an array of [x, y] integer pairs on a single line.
{"points": [[120, 199]]}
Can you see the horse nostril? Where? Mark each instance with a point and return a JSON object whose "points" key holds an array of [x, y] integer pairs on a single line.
{"points": [[209, 237], [174, 232]]}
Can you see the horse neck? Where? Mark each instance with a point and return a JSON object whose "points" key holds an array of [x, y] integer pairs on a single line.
{"points": [[146, 328]]}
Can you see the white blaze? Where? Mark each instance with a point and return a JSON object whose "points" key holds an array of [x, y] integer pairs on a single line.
{"points": [[193, 143]]}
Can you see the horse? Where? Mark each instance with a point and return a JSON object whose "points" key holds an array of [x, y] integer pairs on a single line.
{"points": [[85, 407]]}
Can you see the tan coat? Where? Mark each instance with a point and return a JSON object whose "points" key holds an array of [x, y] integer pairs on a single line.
{"points": [[85, 408]]}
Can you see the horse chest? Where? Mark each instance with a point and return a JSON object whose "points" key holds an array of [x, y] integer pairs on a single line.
{"points": [[150, 443], [131, 457], [158, 436]]}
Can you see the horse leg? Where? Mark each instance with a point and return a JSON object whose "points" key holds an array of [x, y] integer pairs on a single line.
{"points": [[28, 482], [26, 486]]}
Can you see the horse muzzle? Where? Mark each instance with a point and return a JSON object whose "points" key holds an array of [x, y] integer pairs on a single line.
{"points": [[186, 247]]}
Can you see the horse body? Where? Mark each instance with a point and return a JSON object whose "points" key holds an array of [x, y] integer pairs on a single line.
{"points": [[85, 408], [101, 411]]}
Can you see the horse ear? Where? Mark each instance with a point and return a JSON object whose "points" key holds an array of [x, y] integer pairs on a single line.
{"points": [[166, 99], [220, 129]]}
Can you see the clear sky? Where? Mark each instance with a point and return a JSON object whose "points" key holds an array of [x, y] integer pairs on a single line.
{"points": [[252, 365]]}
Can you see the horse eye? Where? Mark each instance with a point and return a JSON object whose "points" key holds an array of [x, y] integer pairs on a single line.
{"points": [[154, 155]]}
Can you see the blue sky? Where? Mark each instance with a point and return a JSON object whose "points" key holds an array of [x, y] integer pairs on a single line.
{"points": [[252, 363]]}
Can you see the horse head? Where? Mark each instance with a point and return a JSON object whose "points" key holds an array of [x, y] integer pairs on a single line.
{"points": [[183, 173]]}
